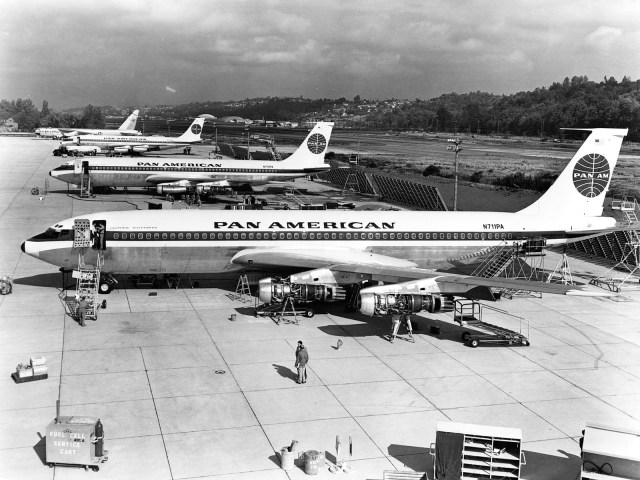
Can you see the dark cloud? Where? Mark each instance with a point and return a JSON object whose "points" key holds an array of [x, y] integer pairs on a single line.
{"points": [[131, 53]]}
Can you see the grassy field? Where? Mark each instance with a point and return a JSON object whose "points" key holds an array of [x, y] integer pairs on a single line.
{"points": [[488, 158]]}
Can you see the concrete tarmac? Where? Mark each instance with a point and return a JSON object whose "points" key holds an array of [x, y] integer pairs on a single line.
{"points": [[184, 392]]}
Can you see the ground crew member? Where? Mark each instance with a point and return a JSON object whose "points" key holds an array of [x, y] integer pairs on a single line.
{"points": [[395, 325], [98, 441], [406, 321], [83, 304], [302, 358]]}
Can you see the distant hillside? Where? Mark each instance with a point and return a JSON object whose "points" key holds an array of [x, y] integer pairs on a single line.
{"points": [[576, 102]]}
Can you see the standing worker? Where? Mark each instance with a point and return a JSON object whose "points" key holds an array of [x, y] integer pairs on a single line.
{"points": [[98, 441], [395, 325], [83, 304], [302, 358], [406, 321]]}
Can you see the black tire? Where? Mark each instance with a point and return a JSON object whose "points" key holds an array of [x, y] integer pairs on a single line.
{"points": [[51, 465], [309, 313], [95, 468], [105, 288], [465, 336], [473, 343]]}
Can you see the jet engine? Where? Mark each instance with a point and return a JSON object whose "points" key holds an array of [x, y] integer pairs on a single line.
{"points": [[121, 149], [140, 148], [276, 290], [402, 303]]}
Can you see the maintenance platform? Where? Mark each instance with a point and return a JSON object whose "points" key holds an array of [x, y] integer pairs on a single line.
{"points": [[184, 391]]}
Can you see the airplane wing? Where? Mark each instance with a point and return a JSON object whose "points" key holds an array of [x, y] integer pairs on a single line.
{"points": [[400, 276]]}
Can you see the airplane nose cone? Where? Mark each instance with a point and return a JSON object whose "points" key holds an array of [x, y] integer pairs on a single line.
{"points": [[22, 247]]}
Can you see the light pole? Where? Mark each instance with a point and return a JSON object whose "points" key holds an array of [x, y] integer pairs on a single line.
{"points": [[248, 155], [456, 148], [169, 123]]}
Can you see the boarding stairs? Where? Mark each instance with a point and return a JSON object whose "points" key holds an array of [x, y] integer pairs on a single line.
{"points": [[87, 284], [85, 185], [627, 205], [470, 313], [497, 261], [87, 276], [298, 197]]}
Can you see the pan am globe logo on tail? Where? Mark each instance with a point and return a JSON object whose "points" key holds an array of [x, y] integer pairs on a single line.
{"points": [[591, 175], [317, 143], [196, 129]]}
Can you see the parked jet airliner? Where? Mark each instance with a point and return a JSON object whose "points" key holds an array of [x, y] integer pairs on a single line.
{"points": [[171, 175], [123, 144], [337, 249], [128, 128]]}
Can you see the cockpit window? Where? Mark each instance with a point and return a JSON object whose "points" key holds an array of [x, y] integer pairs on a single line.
{"points": [[53, 234], [64, 166]]}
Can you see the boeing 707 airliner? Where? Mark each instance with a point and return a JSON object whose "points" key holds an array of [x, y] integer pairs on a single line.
{"points": [[333, 250], [177, 175]]}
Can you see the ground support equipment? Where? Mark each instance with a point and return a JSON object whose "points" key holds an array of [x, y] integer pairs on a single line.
{"points": [[278, 311], [72, 442], [469, 313]]}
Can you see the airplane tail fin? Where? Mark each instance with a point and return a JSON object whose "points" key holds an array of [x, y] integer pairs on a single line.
{"points": [[130, 122], [581, 187], [312, 150], [194, 131]]}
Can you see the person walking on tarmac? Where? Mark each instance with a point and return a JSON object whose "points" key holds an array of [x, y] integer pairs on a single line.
{"points": [[302, 358]]}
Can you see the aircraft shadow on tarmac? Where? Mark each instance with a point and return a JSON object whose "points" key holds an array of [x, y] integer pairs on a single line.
{"points": [[41, 280]]}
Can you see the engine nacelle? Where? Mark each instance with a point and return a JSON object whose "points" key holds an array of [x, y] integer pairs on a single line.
{"points": [[274, 290], [402, 303], [164, 188], [121, 149], [140, 148]]}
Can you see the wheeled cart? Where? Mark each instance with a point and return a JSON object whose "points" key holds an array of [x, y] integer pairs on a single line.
{"points": [[279, 310], [75, 441], [469, 313], [478, 452]]}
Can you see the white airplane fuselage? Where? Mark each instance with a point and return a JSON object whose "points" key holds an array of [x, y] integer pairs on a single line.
{"points": [[150, 171], [205, 241]]}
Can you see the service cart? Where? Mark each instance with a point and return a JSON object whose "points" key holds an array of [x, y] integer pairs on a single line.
{"points": [[75, 441]]}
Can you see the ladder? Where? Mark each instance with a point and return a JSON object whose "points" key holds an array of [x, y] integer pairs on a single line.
{"points": [[87, 284], [351, 184], [562, 272], [85, 185], [243, 292]]}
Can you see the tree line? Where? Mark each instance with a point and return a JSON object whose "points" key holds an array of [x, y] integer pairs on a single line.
{"points": [[576, 102], [28, 117]]}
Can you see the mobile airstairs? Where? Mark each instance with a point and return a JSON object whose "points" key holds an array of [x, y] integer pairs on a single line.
{"points": [[469, 313]]}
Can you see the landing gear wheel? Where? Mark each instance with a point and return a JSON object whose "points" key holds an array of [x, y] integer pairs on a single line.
{"points": [[105, 288], [51, 465], [473, 343], [309, 313], [465, 336], [95, 468]]}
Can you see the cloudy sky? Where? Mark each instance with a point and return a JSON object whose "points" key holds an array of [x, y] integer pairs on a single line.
{"points": [[138, 52]]}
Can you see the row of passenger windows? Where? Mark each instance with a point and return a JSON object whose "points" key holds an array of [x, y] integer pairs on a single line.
{"points": [[310, 236], [185, 169]]}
